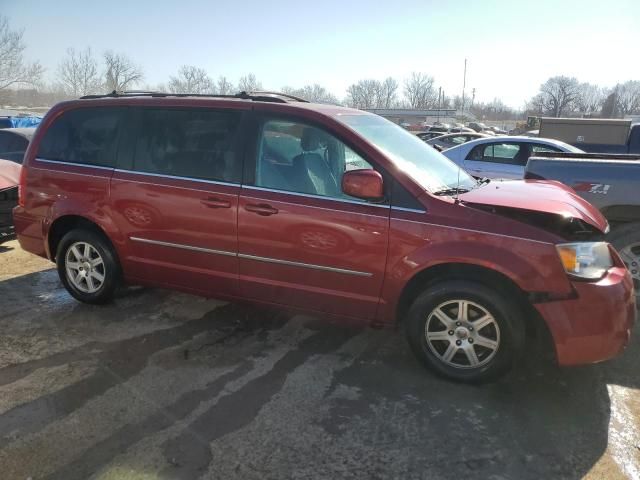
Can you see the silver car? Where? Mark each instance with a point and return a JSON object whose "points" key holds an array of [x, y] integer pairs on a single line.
{"points": [[503, 156]]}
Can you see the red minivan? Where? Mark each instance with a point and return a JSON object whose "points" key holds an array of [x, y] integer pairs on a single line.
{"points": [[267, 198]]}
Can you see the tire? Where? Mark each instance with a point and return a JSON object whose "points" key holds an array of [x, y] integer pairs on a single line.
{"points": [[99, 272], [626, 240], [496, 343]]}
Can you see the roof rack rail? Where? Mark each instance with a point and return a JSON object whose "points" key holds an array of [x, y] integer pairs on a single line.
{"points": [[260, 96], [277, 94]]}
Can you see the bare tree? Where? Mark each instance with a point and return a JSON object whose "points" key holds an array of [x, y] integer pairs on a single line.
{"points": [[557, 95], [313, 93], [363, 94], [590, 98], [13, 69], [610, 105], [628, 94], [386, 96], [121, 73], [419, 91], [249, 83], [78, 73], [191, 79], [224, 86]]}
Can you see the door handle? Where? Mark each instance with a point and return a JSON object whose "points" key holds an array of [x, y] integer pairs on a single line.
{"points": [[213, 202], [261, 209]]}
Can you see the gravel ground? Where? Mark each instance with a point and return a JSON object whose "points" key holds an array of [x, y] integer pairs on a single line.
{"points": [[161, 385]]}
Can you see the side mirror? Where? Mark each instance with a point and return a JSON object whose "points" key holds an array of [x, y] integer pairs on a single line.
{"points": [[366, 184]]}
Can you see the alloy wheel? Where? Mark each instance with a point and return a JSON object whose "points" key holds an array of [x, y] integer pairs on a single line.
{"points": [[462, 334], [85, 267]]}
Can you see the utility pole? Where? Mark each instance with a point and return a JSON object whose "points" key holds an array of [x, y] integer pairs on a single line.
{"points": [[464, 83], [439, 102]]}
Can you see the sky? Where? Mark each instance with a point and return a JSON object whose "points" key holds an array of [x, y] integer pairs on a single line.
{"points": [[511, 47]]}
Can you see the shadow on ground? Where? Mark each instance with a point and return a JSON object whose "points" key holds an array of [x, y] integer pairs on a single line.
{"points": [[339, 401]]}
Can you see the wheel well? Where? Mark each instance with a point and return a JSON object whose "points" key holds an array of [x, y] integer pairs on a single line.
{"points": [[536, 326], [61, 226]]}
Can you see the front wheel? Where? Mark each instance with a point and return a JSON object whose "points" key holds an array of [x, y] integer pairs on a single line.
{"points": [[87, 266], [626, 240], [465, 331]]}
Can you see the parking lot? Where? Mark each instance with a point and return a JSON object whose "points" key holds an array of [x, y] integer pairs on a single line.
{"points": [[165, 385]]}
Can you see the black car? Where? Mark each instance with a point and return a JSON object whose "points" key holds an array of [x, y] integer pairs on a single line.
{"points": [[14, 142]]}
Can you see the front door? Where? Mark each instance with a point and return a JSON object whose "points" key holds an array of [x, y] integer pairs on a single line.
{"points": [[175, 198], [301, 241]]}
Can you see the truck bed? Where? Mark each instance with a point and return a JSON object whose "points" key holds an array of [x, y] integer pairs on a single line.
{"points": [[611, 182]]}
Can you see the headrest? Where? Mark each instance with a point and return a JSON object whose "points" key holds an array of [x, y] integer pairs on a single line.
{"points": [[311, 139]]}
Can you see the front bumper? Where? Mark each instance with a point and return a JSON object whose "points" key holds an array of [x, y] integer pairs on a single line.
{"points": [[596, 325], [7, 232]]}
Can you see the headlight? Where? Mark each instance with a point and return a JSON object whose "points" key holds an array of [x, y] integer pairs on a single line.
{"points": [[589, 260]]}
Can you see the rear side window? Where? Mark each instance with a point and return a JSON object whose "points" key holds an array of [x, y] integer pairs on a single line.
{"points": [[505, 153], [197, 143], [86, 136]]}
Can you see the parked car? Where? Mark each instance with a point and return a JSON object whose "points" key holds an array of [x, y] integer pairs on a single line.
{"points": [[13, 143], [502, 157], [440, 127], [496, 130], [429, 135], [461, 130], [9, 178], [611, 183], [199, 194], [477, 126], [453, 139]]}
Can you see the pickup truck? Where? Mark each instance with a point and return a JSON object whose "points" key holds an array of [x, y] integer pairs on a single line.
{"points": [[608, 181], [594, 135]]}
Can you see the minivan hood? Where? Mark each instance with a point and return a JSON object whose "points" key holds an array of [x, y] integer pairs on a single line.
{"points": [[538, 196], [9, 174]]}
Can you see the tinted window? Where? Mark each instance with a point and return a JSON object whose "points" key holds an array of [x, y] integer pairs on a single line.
{"points": [[506, 153], [189, 143], [5, 140], [86, 135], [17, 144], [301, 158]]}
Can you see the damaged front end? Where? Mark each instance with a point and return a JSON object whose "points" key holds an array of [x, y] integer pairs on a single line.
{"points": [[569, 228], [8, 200], [9, 179], [548, 205]]}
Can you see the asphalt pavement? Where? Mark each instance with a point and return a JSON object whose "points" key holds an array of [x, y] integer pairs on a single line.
{"points": [[161, 385]]}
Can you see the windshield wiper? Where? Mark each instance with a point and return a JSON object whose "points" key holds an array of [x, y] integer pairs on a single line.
{"points": [[451, 191]]}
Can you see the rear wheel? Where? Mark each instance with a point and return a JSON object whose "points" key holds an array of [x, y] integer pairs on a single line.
{"points": [[87, 266], [465, 331]]}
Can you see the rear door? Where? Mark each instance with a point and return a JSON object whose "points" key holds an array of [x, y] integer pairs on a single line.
{"points": [[302, 242], [498, 160], [175, 197]]}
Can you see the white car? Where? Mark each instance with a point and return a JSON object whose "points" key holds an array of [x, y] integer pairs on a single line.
{"points": [[503, 156]]}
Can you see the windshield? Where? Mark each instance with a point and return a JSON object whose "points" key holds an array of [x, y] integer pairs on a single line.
{"points": [[432, 170]]}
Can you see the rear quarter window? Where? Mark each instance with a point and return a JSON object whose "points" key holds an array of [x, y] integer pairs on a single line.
{"points": [[87, 136]]}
